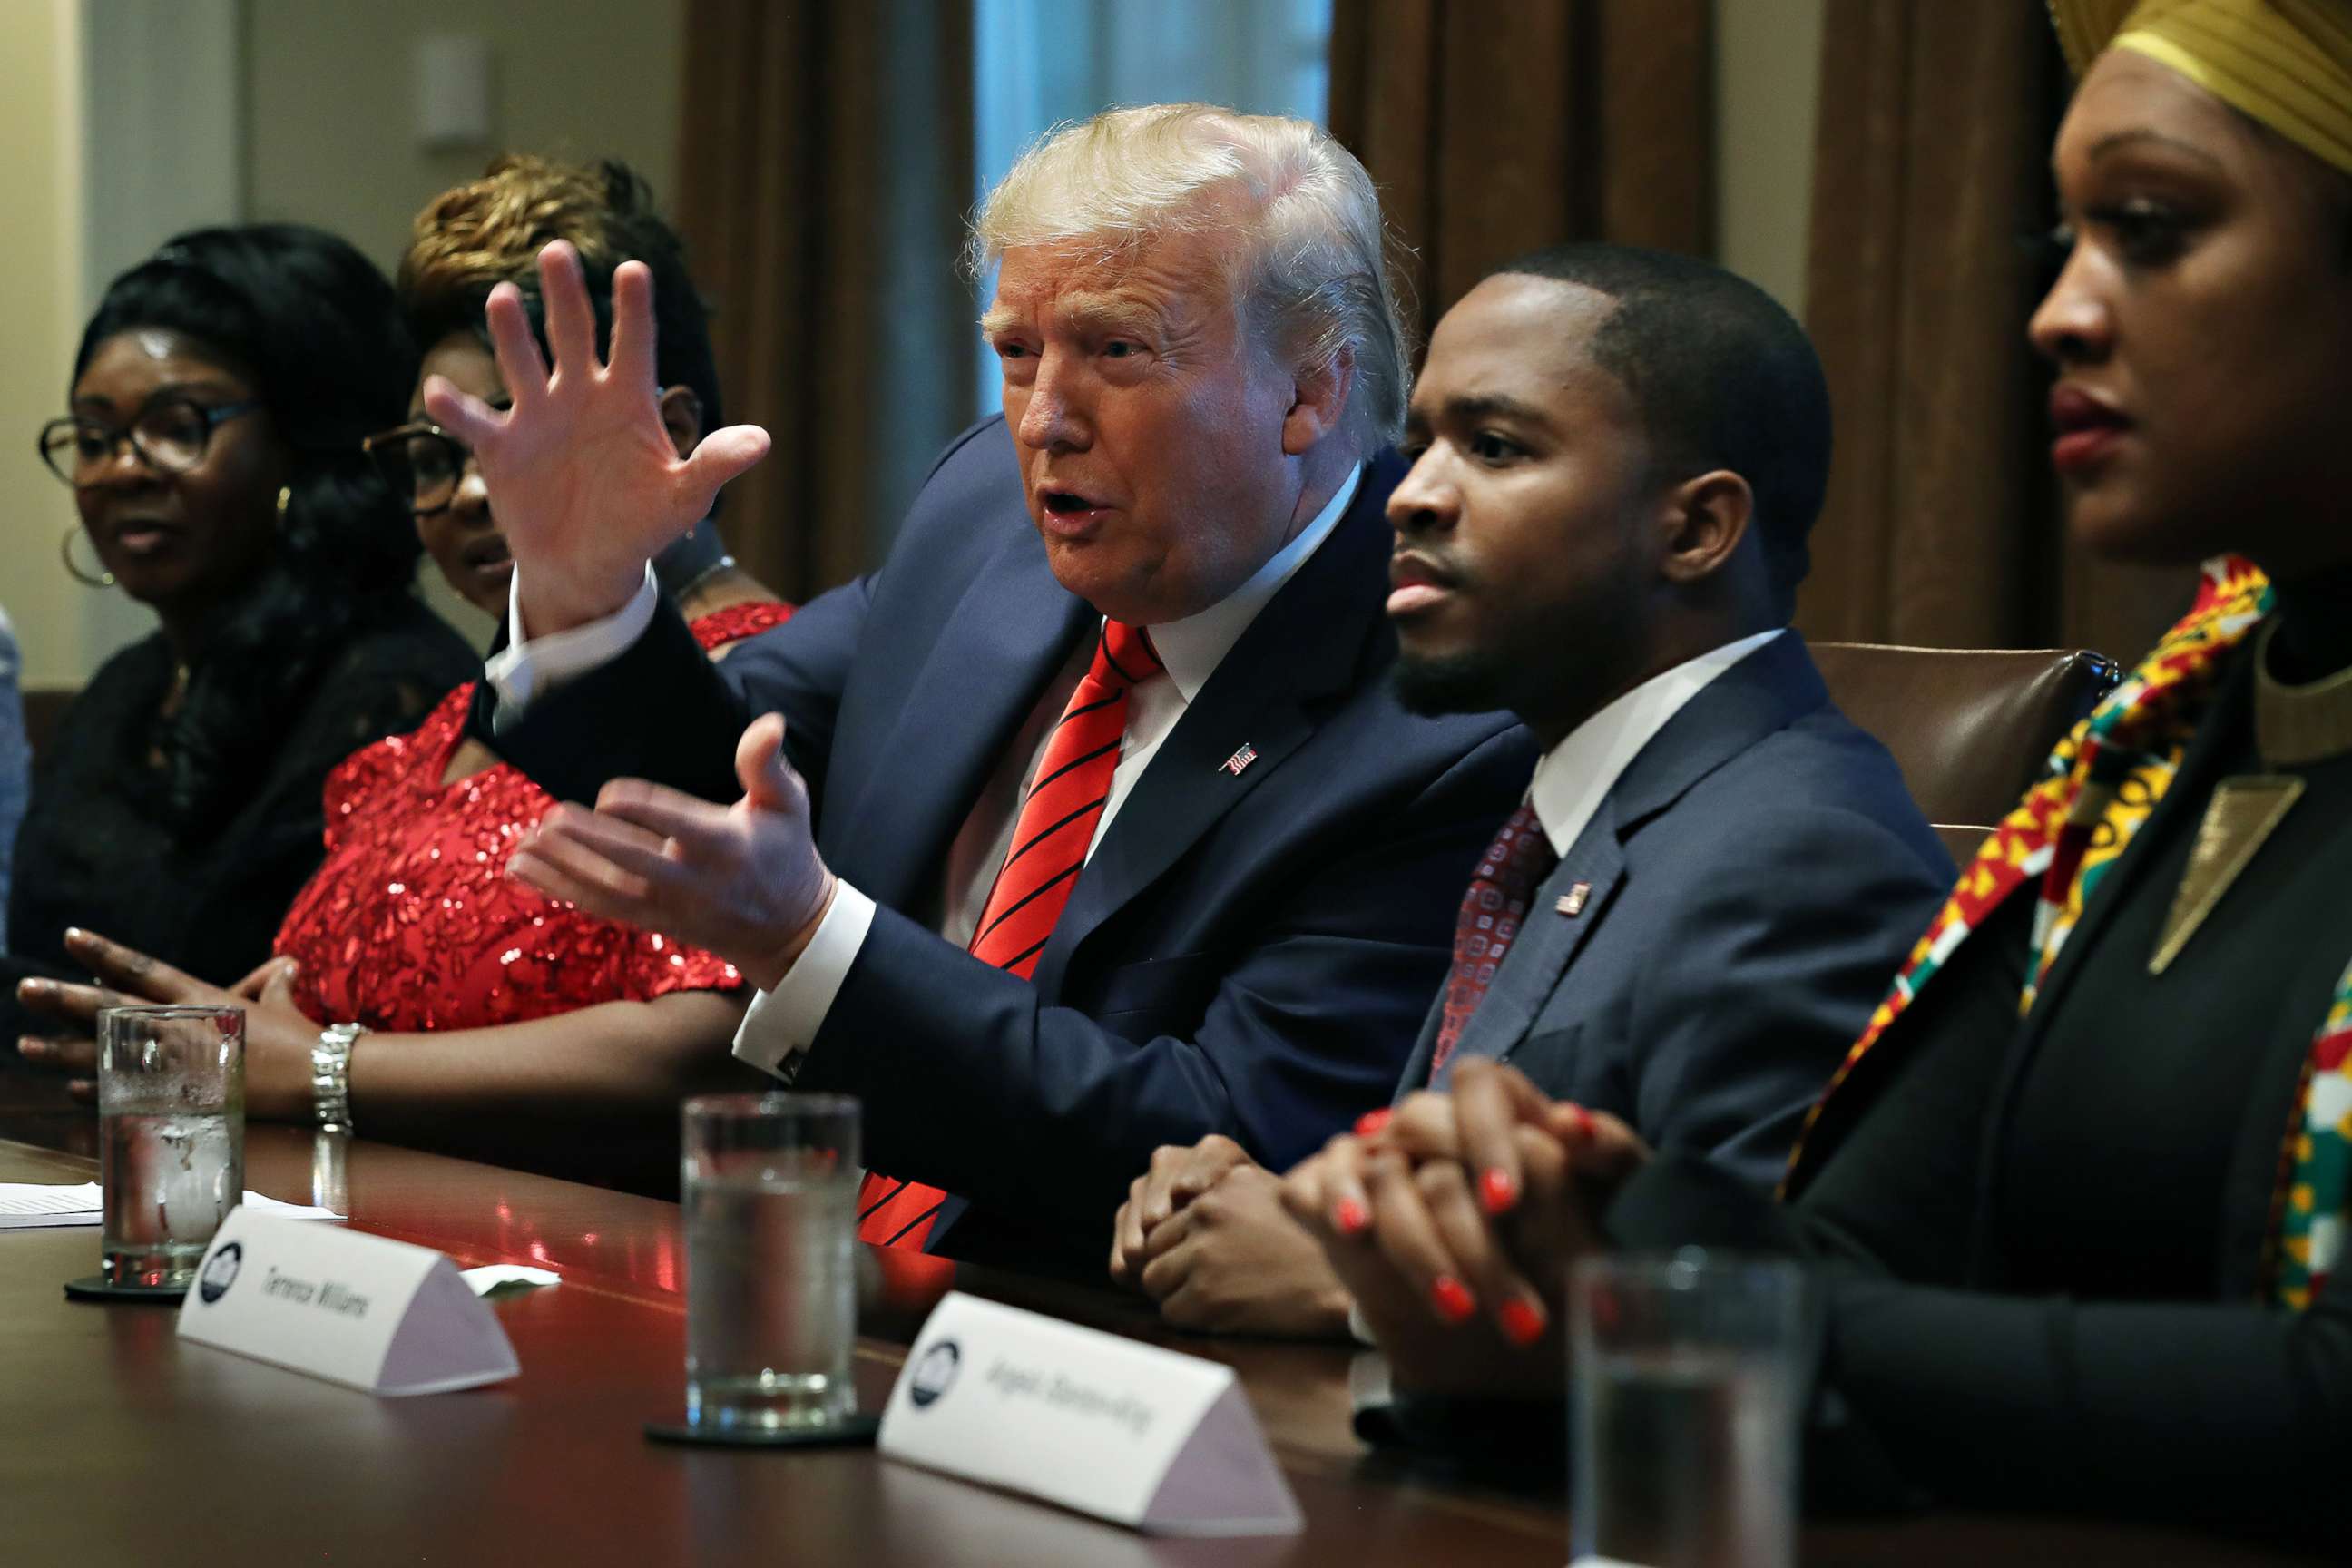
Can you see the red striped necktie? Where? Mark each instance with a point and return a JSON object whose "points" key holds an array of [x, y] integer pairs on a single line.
{"points": [[1050, 839]]}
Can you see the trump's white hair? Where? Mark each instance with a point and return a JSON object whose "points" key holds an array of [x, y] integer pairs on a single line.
{"points": [[1310, 268]]}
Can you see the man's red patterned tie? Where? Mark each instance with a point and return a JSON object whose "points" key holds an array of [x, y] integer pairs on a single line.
{"points": [[1041, 865], [1513, 868]]}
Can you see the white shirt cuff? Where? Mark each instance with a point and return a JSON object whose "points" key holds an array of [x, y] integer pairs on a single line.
{"points": [[780, 1024], [524, 669]]}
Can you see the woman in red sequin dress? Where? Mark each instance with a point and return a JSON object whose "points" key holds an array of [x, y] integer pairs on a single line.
{"points": [[498, 1020], [411, 923]]}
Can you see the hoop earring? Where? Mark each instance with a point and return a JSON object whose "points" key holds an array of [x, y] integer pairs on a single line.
{"points": [[102, 579], [285, 499]]}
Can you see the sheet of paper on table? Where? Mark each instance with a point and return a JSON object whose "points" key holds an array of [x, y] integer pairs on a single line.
{"points": [[29, 1206], [507, 1279]]}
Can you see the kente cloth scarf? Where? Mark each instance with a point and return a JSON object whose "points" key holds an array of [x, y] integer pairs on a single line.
{"points": [[2285, 63], [2099, 788]]}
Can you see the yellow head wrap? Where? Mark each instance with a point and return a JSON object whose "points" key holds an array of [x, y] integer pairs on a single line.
{"points": [[2287, 63]]}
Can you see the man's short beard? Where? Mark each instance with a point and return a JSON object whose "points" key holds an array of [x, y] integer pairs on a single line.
{"points": [[1463, 683]]}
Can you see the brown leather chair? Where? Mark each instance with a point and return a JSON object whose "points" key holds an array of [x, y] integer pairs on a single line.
{"points": [[1970, 727]]}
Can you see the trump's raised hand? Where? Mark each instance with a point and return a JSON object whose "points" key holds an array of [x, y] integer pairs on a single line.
{"points": [[743, 881], [585, 480]]}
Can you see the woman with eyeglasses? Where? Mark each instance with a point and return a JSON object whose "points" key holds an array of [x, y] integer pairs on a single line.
{"points": [[418, 993], [211, 445], [487, 232], [2076, 1204]]}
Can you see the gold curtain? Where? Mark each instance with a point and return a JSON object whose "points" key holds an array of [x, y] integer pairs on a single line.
{"points": [[825, 163], [1493, 128], [1930, 170]]}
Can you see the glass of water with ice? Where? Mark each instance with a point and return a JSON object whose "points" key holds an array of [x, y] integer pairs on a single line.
{"points": [[768, 1185], [1688, 1383], [171, 1117]]}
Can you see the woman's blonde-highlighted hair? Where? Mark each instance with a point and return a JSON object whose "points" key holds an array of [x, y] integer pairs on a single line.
{"points": [[490, 230], [1310, 266]]}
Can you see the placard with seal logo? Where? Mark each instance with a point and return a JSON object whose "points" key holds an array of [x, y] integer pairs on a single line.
{"points": [[1127, 1432], [357, 1310]]}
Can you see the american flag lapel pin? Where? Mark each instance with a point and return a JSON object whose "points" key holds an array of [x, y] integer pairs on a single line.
{"points": [[1571, 902], [1238, 761]]}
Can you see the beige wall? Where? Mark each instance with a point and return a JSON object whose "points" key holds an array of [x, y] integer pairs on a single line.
{"points": [[329, 110], [40, 314], [1767, 57], [329, 132]]}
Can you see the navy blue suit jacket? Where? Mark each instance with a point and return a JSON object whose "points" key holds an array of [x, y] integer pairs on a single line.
{"points": [[1754, 876], [1246, 953]]}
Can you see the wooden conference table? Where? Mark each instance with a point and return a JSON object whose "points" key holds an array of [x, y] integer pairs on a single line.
{"points": [[119, 1445]]}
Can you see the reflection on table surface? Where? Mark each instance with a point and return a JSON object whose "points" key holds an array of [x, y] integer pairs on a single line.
{"points": [[123, 1446]]}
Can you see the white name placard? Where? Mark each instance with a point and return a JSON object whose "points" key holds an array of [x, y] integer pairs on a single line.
{"points": [[1127, 1432], [362, 1310]]}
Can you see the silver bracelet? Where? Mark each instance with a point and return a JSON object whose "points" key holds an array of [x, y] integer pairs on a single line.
{"points": [[331, 1075]]}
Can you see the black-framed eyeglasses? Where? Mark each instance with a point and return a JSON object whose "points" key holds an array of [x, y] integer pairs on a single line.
{"points": [[421, 463], [169, 434]]}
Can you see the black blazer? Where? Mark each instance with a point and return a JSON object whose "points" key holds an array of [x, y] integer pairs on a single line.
{"points": [[94, 850]]}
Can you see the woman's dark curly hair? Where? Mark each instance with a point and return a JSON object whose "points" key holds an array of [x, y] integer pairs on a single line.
{"points": [[317, 328], [491, 231]]}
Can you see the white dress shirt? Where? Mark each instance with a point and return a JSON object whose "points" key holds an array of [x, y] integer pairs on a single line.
{"points": [[781, 1024], [1573, 777]]}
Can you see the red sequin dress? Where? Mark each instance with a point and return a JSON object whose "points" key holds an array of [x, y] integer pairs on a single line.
{"points": [[410, 923]]}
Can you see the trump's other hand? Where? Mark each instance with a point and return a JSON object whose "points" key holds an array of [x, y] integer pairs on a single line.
{"points": [[743, 881]]}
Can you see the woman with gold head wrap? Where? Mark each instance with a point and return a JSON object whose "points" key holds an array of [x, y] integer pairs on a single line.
{"points": [[2074, 1199]]}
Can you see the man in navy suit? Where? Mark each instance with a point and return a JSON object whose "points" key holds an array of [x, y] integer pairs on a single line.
{"points": [[1617, 457], [1090, 822]]}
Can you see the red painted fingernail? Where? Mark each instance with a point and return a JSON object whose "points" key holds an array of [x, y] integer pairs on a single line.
{"points": [[1497, 1191], [1455, 1302], [1371, 1121], [1583, 1123], [1522, 1321], [1350, 1217]]}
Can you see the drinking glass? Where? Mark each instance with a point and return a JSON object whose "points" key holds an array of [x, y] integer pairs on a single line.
{"points": [[171, 1117], [770, 1188], [1687, 1391]]}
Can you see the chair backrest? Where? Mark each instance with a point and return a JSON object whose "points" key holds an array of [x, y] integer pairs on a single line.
{"points": [[1970, 727], [44, 706]]}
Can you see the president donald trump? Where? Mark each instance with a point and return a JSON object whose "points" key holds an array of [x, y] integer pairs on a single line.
{"points": [[1088, 823]]}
